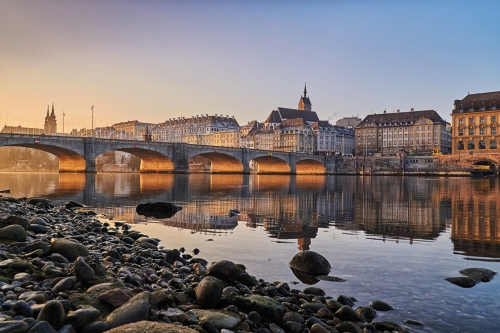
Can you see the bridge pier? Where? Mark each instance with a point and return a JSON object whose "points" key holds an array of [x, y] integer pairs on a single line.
{"points": [[292, 162], [330, 164], [245, 160], [89, 149], [180, 158]]}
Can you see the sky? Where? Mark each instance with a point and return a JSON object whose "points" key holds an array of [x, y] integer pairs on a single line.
{"points": [[152, 60]]}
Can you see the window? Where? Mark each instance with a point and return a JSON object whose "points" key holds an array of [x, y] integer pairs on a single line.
{"points": [[481, 130], [418, 141], [428, 128], [461, 121], [493, 130], [471, 120], [435, 141], [493, 119], [471, 145], [482, 144], [493, 144], [460, 131], [429, 141], [481, 119], [460, 145], [471, 131]]}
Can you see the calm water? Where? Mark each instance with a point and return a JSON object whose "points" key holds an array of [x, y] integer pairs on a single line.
{"points": [[390, 238]]}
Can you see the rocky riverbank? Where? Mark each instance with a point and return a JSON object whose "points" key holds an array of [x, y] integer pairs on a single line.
{"points": [[62, 270]]}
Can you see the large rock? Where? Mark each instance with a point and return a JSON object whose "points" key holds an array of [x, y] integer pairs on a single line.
{"points": [[53, 313], [151, 327], [219, 318], [157, 209], [15, 220], [13, 233], [388, 326], [115, 297], [223, 269], [346, 313], [209, 292], [70, 250], [381, 305], [269, 309], [136, 309], [472, 277], [311, 263], [71, 204], [41, 202]]}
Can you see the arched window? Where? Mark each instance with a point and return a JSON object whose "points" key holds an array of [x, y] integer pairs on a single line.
{"points": [[493, 144], [460, 145], [493, 129], [471, 145], [460, 131], [482, 144], [471, 130]]}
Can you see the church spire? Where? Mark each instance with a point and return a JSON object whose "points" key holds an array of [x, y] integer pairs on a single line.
{"points": [[47, 110], [305, 89], [52, 114]]}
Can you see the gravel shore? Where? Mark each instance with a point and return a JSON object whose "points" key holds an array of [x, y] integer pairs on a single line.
{"points": [[62, 270]]}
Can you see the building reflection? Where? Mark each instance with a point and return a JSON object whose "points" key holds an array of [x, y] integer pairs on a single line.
{"points": [[293, 207], [474, 229]]}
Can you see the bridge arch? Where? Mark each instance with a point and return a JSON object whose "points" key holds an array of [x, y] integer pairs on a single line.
{"points": [[215, 162], [151, 161], [269, 165], [309, 166], [69, 160]]}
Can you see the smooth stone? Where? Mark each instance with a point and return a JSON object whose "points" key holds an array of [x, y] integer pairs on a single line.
{"points": [[38, 220], [311, 263], [366, 311], [313, 306], [63, 285], [413, 322], [38, 228], [209, 292], [38, 298], [56, 257], [381, 305], [94, 327], [15, 220], [293, 316], [84, 273], [223, 269], [388, 326], [42, 327], [36, 253], [13, 233], [81, 317], [346, 313], [478, 274], [13, 327], [21, 308], [22, 277], [314, 291], [53, 313], [68, 249], [31, 322], [317, 328], [219, 318], [345, 300], [115, 297], [136, 309], [151, 327], [348, 326], [176, 315], [269, 309], [38, 245], [274, 328]]}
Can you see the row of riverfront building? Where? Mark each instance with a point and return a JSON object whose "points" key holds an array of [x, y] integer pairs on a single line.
{"points": [[475, 120]]}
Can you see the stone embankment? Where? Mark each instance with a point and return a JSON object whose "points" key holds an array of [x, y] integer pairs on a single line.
{"points": [[64, 271]]}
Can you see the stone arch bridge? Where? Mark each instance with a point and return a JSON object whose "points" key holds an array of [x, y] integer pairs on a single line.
{"points": [[78, 154]]}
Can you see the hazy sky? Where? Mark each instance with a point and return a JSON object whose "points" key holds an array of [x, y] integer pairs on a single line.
{"points": [[154, 60]]}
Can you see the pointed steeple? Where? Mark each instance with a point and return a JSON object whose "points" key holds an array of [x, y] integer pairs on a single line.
{"points": [[305, 89], [305, 102], [47, 111], [52, 114]]}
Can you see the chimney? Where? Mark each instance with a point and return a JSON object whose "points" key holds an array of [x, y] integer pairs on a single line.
{"points": [[385, 111], [412, 109], [398, 111]]}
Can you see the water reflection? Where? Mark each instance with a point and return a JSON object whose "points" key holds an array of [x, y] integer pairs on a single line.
{"points": [[293, 208]]}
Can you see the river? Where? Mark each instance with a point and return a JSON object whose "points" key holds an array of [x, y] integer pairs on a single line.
{"points": [[391, 238]]}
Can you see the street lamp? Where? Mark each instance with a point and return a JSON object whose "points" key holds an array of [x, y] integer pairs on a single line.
{"points": [[92, 119]]}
